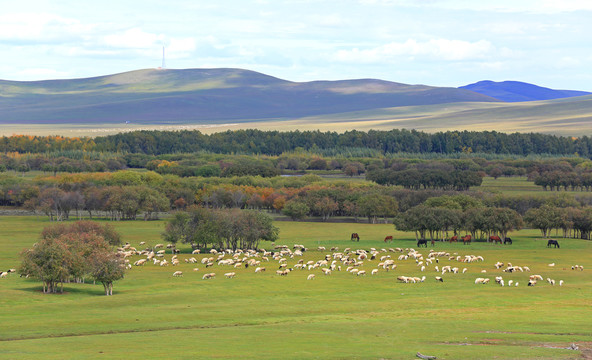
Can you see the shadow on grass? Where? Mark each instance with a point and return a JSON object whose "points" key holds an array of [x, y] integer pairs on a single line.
{"points": [[93, 290]]}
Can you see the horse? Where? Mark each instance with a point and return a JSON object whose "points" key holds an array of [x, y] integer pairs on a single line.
{"points": [[554, 243], [496, 239], [508, 241], [466, 239], [388, 238], [454, 239], [355, 236], [421, 242]]}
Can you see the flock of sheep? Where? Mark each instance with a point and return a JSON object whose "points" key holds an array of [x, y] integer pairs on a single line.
{"points": [[353, 261]]}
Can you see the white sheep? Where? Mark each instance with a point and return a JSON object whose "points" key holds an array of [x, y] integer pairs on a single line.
{"points": [[230, 275], [178, 273], [3, 274], [374, 271], [310, 277], [361, 272], [439, 278], [208, 276], [560, 282]]}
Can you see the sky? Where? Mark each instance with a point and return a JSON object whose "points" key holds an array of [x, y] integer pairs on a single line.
{"points": [[432, 42]]}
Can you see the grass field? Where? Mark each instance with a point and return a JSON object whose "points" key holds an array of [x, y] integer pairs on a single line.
{"points": [[342, 316]]}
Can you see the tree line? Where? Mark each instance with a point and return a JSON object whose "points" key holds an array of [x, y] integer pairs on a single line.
{"points": [[275, 142]]}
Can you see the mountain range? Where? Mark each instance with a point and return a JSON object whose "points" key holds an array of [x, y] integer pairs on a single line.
{"points": [[516, 91], [205, 95], [222, 96]]}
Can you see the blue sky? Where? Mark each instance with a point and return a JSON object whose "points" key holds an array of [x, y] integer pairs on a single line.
{"points": [[433, 42]]}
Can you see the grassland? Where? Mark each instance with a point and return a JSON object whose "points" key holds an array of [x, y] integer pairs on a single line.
{"points": [[567, 117], [264, 316]]}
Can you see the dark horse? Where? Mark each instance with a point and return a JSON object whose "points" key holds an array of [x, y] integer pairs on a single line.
{"points": [[421, 242], [508, 241], [355, 237], [553, 242], [454, 238], [388, 238]]}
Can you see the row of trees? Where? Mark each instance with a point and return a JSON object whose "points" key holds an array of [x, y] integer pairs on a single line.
{"points": [[275, 142], [453, 179], [573, 222], [438, 222], [558, 180], [221, 229], [70, 253]]}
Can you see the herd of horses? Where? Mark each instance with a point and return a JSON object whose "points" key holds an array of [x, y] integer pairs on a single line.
{"points": [[494, 239]]}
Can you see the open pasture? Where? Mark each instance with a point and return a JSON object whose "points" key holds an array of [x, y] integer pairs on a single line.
{"points": [[155, 315]]}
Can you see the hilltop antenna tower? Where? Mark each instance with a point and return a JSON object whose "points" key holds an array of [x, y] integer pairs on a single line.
{"points": [[163, 63]]}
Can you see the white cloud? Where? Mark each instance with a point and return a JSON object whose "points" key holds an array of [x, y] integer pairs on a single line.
{"points": [[133, 39], [39, 27], [566, 5], [41, 73], [437, 49]]}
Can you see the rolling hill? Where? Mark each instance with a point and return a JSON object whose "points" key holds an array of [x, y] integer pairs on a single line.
{"points": [[220, 99], [516, 91], [204, 96]]}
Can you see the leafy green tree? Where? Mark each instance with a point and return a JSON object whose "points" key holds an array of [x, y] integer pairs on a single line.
{"points": [[297, 210], [544, 218], [375, 205], [71, 252]]}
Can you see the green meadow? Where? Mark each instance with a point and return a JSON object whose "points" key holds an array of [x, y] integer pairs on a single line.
{"points": [[342, 316]]}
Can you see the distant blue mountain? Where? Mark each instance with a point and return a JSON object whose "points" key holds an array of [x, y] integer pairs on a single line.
{"points": [[516, 91]]}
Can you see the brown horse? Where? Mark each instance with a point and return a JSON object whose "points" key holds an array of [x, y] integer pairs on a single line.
{"points": [[388, 238], [496, 239], [466, 239], [454, 239], [355, 236]]}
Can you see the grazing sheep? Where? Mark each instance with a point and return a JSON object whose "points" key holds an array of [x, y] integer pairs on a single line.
{"points": [[178, 273], [560, 282], [310, 277], [361, 272], [532, 282], [230, 275], [551, 265], [157, 246], [208, 276], [196, 251], [326, 271], [140, 262], [374, 271], [195, 269], [439, 278], [422, 268], [3, 274], [464, 270], [510, 282]]}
